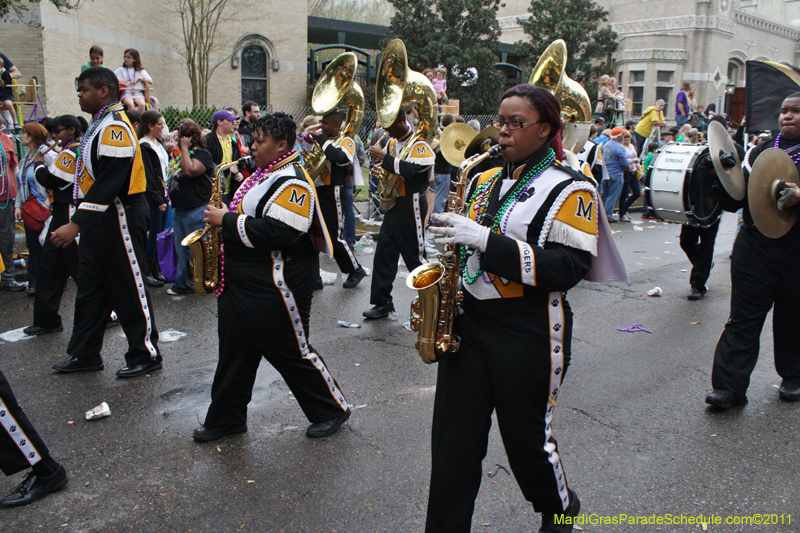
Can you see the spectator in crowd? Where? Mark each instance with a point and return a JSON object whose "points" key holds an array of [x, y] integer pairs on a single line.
{"points": [[250, 114], [603, 93], [692, 136], [440, 85], [691, 97], [224, 150], [304, 141], [630, 125], [6, 95], [189, 192], [682, 104], [134, 117], [667, 137], [474, 124], [155, 160], [56, 264], [132, 77], [617, 94], [604, 137], [348, 192], [12, 70], [630, 179], [95, 58], [8, 192], [683, 133], [32, 205], [615, 160], [652, 116], [651, 152]]}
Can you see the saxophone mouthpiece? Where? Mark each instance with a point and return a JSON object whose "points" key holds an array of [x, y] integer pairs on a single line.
{"points": [[496, 149]]}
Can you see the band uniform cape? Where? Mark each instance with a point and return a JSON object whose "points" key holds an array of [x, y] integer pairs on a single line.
{"points": [[294, 203]]}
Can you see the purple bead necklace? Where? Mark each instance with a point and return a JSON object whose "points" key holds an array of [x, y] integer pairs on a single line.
{"points": [[796, 149]]}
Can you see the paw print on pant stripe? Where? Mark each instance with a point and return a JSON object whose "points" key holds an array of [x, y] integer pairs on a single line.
{"points": [[557, 327]]}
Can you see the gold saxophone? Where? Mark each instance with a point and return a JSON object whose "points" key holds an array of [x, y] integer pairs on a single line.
{"points": [[433, 311], [336, 86], [203, 244], [396, 86]]}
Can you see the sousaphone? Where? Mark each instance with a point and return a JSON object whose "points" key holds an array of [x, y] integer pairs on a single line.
{"points": [[763, 188], [550, 73], [719, 143]]}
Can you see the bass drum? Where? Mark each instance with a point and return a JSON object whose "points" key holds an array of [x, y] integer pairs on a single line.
{"points": [[678, 185]]}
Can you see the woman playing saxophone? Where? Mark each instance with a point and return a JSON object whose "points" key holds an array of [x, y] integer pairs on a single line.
{"points": [[528, 236]]}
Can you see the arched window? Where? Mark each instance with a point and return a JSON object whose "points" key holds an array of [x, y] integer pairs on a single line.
{"points": [[736, 72], [254, 74]]}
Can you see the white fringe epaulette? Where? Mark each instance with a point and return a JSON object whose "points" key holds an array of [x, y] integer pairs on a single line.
{"points": [[556, 231], [290, 218], [116, 151]]}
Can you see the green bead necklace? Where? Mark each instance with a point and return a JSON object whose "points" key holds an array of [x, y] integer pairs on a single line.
{"points": [[484, 193]]}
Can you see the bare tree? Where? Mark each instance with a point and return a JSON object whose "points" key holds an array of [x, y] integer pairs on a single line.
{"points": [[315, 7], [201, 19]]}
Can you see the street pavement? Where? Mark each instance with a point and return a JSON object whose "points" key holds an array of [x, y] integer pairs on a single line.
{"points": [[635, 436]]}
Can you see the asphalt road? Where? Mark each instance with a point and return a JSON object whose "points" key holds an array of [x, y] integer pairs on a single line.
{"points": [[635, 435]]}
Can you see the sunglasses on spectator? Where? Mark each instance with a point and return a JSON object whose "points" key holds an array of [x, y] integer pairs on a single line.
{"points": [[512, 124]]}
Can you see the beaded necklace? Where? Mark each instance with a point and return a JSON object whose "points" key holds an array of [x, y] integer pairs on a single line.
{"points": [[481, 198], [83, 149], [796, 149], [258, 177]]}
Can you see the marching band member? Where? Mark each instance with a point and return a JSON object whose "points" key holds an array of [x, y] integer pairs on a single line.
{"points": [[401, 231], [529, 237], [56, 264], [763, 274], [271, 237], [112, 218], [339, 162]]}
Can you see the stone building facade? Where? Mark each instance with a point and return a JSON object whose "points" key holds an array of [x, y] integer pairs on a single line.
{"points": [[263, 53], [704, 42]]}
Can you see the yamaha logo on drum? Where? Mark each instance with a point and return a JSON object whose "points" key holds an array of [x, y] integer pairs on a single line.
{"points": [[673, 160]]}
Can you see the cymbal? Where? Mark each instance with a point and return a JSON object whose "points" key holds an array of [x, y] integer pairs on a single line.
{"points": [[454, 141], [771, 166], [731, 178], [478, 146]]}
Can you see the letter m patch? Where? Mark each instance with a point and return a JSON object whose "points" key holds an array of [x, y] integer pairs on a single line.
{"points": [[298, 199], [584, 211]]}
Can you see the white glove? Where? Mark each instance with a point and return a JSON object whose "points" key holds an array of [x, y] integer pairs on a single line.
{"points": [[461, 230]]}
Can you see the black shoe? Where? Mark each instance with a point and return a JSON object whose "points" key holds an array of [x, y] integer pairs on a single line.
{"points": [[138, 370], [150, 281], [318, 285], [564, 522], [789, 392], [354, 278], [379, 311], [323, 429], [722, 400], [696, 294], [203, 434], [35, 331], [13, 286], [74, 364], [34, 488]]}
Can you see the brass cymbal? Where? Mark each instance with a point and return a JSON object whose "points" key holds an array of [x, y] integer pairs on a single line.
{"points": [[731, 178], [478, 144], [454, 141], [771, 166]]}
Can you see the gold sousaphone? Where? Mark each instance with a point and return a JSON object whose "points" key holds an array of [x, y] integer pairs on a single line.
{"points": [[336, 87], [396, 86], [550, 73], [771, 166]]}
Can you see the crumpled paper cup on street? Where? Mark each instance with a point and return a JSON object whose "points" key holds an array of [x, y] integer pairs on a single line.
{"points": [[656, 291], [101, 411]]}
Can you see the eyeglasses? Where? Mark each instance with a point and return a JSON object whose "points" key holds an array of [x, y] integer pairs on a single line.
{"points": [[626, 136], [59, 130], [512, 124]]}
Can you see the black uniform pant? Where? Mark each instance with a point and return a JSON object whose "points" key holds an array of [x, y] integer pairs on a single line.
{"points": [[761, 276], [400, 235], [111, 277], [21, 447], [257, 321], [56, 265], [496, 369], [330, 202], [698, 245]]}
